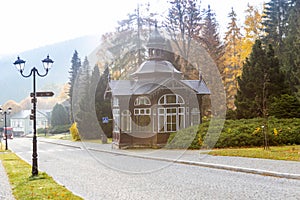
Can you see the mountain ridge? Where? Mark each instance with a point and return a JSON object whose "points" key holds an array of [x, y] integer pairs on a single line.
{"points": [[15, 87]]}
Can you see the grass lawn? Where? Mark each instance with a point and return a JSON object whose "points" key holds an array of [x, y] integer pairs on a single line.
{"points": [[26, 187], [276, 152]]}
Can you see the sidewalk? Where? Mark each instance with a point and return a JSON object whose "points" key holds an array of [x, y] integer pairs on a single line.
{"points": [[5, 189], [266, 167]]}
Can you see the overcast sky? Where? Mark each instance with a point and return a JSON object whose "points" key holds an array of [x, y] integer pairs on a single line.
{"points": [[28, 24]]}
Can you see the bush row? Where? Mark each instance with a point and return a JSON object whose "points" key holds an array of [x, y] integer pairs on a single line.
{"points": [[237, 133]]}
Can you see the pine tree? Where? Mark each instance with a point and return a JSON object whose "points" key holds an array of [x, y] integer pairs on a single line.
{"points": [[59, 116], [275, 22], [260, 82], [86, 118], [210, 39], [291, 54], [232, 59], [84, 79], [127, 44], [183, 25], [75, 66]]}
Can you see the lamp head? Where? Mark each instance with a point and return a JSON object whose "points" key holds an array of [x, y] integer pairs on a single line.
{"points": [[47, 63], [20, 64]]}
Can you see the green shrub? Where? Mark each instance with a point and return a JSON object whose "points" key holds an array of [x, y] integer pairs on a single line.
{"points": [[60, 129], [183, 138], [74, 132], [238, 133]]}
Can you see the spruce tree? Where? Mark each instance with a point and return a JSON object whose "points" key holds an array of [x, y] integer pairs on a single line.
{"points": [[183, 25], [127, 44], [86, 118], [260, 82], [59, 116], [291, 54], [75, 66], [275, 22], [210, 39]]}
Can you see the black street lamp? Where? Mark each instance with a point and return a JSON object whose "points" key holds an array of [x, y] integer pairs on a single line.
{"points": [[5, 113], [20, 64]]}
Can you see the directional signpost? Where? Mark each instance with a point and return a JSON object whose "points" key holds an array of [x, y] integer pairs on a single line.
{"points": [[42, 94]]}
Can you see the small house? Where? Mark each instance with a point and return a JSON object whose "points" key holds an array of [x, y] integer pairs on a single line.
{"points": [[155, 101]]}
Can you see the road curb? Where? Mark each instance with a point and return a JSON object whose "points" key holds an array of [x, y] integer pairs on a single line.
{"points": [[210, 165], [196, 163]]}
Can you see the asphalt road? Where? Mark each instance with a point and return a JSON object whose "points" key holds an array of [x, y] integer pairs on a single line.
{"points": [[97, 175]]}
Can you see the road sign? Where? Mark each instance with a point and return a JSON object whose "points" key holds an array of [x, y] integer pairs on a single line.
{"points": [[42, 94], [105, 120]]}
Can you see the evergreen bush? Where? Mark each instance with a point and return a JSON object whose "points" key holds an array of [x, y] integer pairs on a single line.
{"points": [[239, 133]]}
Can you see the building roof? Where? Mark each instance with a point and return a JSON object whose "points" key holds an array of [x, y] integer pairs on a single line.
{"points": [[26, 113], [155, 73], [197, 85], [22, 114], [156, 40], [139, 87], [154, 67]]}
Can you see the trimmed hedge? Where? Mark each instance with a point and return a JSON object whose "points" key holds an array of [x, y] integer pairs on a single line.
{"points": [[238, 133]]}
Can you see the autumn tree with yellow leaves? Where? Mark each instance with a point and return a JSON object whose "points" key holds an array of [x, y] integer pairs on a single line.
{"points": [[232, 59], [252, 28]]}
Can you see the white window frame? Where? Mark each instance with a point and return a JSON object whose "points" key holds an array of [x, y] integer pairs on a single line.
{"points": [[142, 111], [115, 102], [163, 122], [142, 100], [126, 117], [116, 116], [178, 100]]}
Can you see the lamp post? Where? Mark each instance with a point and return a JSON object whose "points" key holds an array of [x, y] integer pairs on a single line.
{"points": [[5, 113], [20, 64]]}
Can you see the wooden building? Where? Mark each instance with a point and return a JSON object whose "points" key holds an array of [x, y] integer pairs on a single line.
{"points": [[155, 102]]}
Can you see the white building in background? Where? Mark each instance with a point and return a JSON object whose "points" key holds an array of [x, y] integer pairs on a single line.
{"points": [[21, 123]]}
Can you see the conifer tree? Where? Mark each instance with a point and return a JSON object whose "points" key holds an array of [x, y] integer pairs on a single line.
{"points": [[75, 66], [59, 116], [232, 59], [291, 54], [183, 25], [275, 22], [127, 44], [210, 39], [84, 115], [260, 82]]}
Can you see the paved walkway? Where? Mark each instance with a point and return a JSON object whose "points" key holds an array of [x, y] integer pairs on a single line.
{"points": [[275, 168], [5, 189]]}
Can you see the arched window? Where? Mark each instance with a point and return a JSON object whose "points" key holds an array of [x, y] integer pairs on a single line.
{"points": [[142, 100], [126, 121], [169, 99]]}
